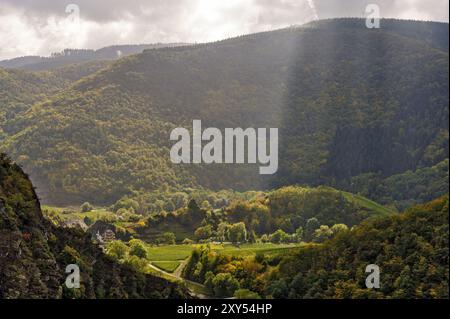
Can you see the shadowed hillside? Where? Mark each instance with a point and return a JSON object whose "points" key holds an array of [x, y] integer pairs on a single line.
{"points": [[349, 101], [34, 254]]}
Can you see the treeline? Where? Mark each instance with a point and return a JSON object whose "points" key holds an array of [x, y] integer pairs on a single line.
{"points": [[403, 190], [289, 214]]}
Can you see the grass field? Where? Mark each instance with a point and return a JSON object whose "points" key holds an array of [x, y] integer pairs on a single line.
{"points": [[169, 266], [365, 202], [181, 252], [169, 253], [253, 249], [70, 213]]}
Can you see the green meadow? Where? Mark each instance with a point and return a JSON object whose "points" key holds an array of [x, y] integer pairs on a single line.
{"points": [[168, 258]]}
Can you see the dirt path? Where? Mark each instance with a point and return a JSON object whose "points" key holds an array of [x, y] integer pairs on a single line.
{"points": [[177, 275], [180, 268], [164, 272]]}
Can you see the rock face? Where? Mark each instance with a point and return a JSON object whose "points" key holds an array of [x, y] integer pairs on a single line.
{"points": [[34, 254]]}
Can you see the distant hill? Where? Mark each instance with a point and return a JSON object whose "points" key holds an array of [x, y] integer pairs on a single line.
{"points": [[287, 208], [349, 101], [76, 56]]}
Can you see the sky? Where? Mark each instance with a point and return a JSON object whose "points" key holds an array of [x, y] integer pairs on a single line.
{"points": [[40, 27]]}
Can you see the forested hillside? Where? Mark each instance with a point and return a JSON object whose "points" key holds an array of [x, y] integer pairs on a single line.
{"points": [[349, 101], [287, 209], [20, 90], [411, 250], [34, 254]]}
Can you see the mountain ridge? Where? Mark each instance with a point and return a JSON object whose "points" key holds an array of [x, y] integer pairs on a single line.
{"points": [[77, 56], [331, 92]]}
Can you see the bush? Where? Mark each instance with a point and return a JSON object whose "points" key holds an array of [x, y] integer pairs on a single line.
{"points": [[117, 249], [246, 294], [280, 237], [167, 238], [88, 221], [137, 248], [203, 233]]}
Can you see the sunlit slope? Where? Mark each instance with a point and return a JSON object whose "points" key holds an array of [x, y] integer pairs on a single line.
{"points": [[347, 102]]}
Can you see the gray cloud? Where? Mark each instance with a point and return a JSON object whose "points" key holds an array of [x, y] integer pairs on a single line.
{"points": [[43, 26], [435, 10]]}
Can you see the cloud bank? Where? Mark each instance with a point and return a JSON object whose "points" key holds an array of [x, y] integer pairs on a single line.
{"points": [[40, 27]]}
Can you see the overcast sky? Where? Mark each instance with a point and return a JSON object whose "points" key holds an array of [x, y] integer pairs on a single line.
{"points": [[40, 27]]}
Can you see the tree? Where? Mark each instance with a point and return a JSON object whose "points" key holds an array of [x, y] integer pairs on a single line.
{"points": [[338, 228], [279, 237], [322, 233], [206, 205], [137, 248], [299, 234], [138, 264], [126, 203], [224, 285], [252, 237], [311, 226], [195, 213], [246, 294], [264, 238], [222, 231], [86, 207], [122, 211], [237, 233], [117, 249], [193, 206], [203, 233], [88, 221], [209, 285], [259, 257], [278, 289], [168, 238]]}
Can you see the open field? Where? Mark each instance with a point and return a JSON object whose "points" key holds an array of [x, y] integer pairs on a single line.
{"points": [[169, 253], [181, 252], [367, 203], [169, 266], [70, 213], [253, 249]]}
